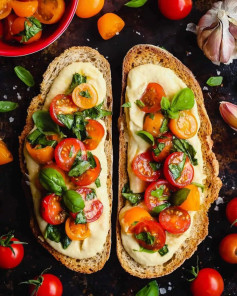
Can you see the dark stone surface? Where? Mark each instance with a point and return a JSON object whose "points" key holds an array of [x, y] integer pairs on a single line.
{"points": [[144, 25]]}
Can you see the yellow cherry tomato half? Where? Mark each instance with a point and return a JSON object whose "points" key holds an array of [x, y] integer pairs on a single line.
{"points": [[192, 203], [5, 154], [50, 11], [89, 8], [109, 25], [40, 155], [153, 125], [85, 96], [76, 231], [5, 8]]}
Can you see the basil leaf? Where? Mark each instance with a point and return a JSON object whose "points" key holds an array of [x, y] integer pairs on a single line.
{"points": [[65, 242], [127, 105], [32, 137], [158, 192], [163, 251], [133, 198], [151, 115], [91, 160], [215, 81], [141, 249], [6, 106], [183, 146], [79, 126], [79, 169], [73, 201], [139, 103], [160, 208], [159, 148], [178, 197], [126, 188], [164, 126], [96, 112], [172, 114], [183, 100], [52, 180], [155, 165], [176, 169], [66, 119], [44, 123], [85, 94], [53, 233], [80, 218], [165, 103], [91, 195], [24, 75], [43, 142], [71, 151], [32, 27], [146, 137], [199, 185], [151, 289], [77, 79], [97, 183], [147, 237], [136, 3]]}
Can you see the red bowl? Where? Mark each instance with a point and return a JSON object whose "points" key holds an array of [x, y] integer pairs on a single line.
{"points": [[50, 34]]}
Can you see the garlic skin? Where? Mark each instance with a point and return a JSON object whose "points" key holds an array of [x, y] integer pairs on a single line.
{"points": [[229, 114], [217, 32]]}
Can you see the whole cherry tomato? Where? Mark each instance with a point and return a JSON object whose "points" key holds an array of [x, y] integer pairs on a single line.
{"points": [[228, 248], [89, 8], [175, 9], [231, 211]]}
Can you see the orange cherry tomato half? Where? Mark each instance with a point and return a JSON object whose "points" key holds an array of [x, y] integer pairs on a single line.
{"points": [[24, 9], [185, 126], [153, 125], [109, 25], [50, 11], [5, 154], [89, 8], [231, 211], [51, 209], [162, 147], [76, 231], [89, 176], [192, 203], [95, 131], [7, 27], [151, 98], [40, 155], [5, 8], [228, 248], [85, 96]]}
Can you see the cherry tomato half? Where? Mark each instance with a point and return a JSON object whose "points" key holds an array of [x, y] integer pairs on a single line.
{"points": [[156, 234], [153, 124], [173, 164], [231, 211], [5, 154], [151, 98], [142, 168], [192, 203], [175, 9], [50, 11], [95, 131], [89, 8], [76, 231], [66, 152], [109, 25], [162, 147], [228, 248], [51, 286], [85, 96], [51, 209], [175, 220], [61, 104], [40, 155], [5, 8]]}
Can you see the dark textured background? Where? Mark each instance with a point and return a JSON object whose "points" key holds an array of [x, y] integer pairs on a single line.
{"points": [[144, 25]]}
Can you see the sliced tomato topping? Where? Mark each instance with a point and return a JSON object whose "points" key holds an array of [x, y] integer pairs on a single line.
{"points": [[142, 168], [162, 147], [95, 132], [153, 124], [85, 96], [76, 231], [61, 104], [175, 220], [150, 235], [40, 155], [51, 209], [66, 152], [192, 203], [178, 169]]}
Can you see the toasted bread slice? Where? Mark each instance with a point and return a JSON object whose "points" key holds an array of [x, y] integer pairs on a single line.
{"points": [[74, 54], [149, 54]]}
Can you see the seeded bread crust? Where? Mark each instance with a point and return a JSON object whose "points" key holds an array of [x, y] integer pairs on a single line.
{"points": [[149, 54], [74, 54]]}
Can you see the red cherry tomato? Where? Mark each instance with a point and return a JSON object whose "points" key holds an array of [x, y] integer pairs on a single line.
{"points": [[62, 104], [207, 283], [175, 9], [228, 248], [153, 201], [95, 132], [186, 175], [231, 211], [51, 209], [142, 168], [66, 152], [175, 220], [162, 147], [7, 27], [89, 176], [151, 98], [10, 258], [155, 233], [51, 286]]}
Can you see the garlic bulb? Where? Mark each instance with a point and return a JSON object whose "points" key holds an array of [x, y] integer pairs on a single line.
{"points": [[217, 31], [229, 114]]}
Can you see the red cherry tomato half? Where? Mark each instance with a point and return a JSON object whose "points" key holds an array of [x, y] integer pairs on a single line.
{"points": [[162, 147], [62, 104], [95, 132], [208, 283], [151, 98], [186, 176], [155, 232], [231, 211], [51, 209], [153, 201], [66, 152], [175, 220], [142, 168], [175, 9], [51, 286], [228, 248], [89, 176]]}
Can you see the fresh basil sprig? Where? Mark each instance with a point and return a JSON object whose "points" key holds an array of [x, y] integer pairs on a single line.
{"points": [[45, 124], [80, 218], [157, 150], [158, 193], [176, 169], [151, 289], [24, 75], [133, 198], [52, 181], [155, 165], [178, 197], [136, 3], [32, 27], [181, 145], [97, 183], [57, 234], [160, 208], [80, 166], [147, 237], [73, 201], [215, 81], [146, 137], [37, 138], [7, 106], [164, 127], [77, 79], [85, 94]]}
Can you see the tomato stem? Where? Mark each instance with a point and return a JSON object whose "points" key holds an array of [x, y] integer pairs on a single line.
{"points": [[233, 223], [194, 271], [5, 241]]}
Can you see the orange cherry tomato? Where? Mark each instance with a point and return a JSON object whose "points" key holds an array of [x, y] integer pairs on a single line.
{"points": [[192, 203], [109, 25], [185, 126], [24, 9], [85, 96], [76, 231], [95, 132], [89, 8], [50, 11], [162, 147], [5, 8], [228, 248], [5, 154], [40, 155], [151, 98], [153, 125]]}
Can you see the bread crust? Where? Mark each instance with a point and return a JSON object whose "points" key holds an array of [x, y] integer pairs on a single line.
{"points": [[144, 54], [73, 54]]}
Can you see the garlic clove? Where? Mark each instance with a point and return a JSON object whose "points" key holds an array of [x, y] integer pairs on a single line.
{"points": [[233, 30], [227, 42], [211, 47], [230, 6], [229, 114]]}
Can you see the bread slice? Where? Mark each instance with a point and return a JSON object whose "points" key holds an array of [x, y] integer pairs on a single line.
{"points": [[149, 54], [74, 54]]}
